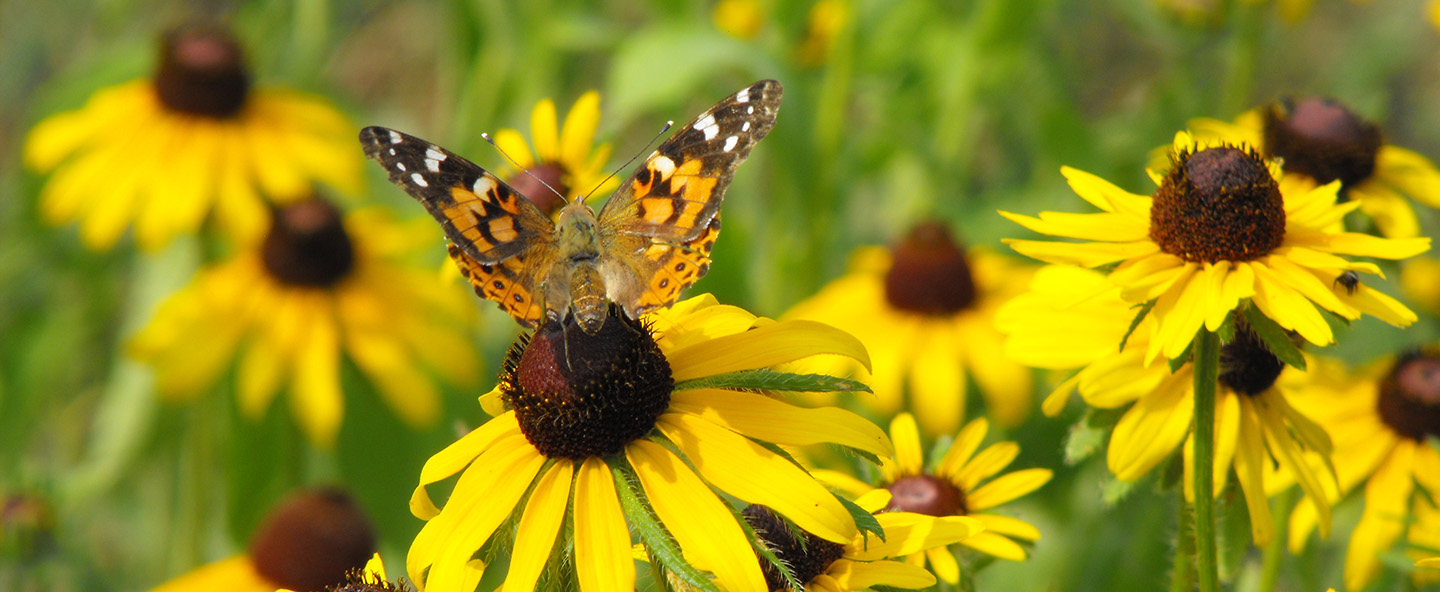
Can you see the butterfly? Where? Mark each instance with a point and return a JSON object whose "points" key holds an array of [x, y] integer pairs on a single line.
{"points": [[651, 239]]}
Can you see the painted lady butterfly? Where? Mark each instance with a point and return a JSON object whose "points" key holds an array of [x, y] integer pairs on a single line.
{"points": [[650, 240]]}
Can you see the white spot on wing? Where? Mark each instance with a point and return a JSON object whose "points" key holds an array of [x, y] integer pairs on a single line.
{"points": [[707, 125], [750, 109], [743, 96], [730, 142], [482, 186], [663, 165], [418, 180], [395, 137], [745, 127], [433, 165], [401, 166], [434, 154], [392, 152]]}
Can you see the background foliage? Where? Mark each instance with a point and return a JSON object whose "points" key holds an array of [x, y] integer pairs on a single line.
{"points": [[913, 109]]}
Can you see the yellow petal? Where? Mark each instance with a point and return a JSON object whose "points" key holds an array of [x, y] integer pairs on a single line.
{"points": [[943, 563], [962, 450], [703, 526], [752, 473], [1249, 456], [315, 394], [1007, 487], [543, 131], [405, 388], [856, 575], [907, 533], [1105, 195], [602, 540], [763, 418], [579, 131], [1151, 430], [994, 544], [1010, 527], [1082, 254], [937, 380], [484, 496], [1364, 245], [540, 522], [1392, 213], [988, 462], [511, 142], [236, 573], [905, 435], [778, 343], [457, 456]]}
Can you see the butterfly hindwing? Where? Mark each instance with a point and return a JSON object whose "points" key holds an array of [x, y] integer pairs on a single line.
{"points": [[505, 283], [480, 214]]}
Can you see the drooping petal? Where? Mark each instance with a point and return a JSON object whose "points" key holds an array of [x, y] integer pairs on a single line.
{"points": [[764, 347], [705, 529], [602, 540], [457, 456], [748, 471], [540, 522], [855, 575]]}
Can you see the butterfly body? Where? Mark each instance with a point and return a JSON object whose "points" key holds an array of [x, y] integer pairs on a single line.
{"points": [[652, 238]]}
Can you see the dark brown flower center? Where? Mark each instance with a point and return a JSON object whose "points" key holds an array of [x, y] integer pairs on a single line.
{"points": [[807, 555], [202, 72], [356, 580], [928, 495], [533, 186], [1218, 204], [308, 246], [929, 275], [1246, 365], [578, 396], [1410, 396], [1322, 139], [312, 540]]}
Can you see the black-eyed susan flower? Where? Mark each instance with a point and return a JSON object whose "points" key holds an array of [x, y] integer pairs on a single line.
{"points": [[310, 541], [863, 563], [1073, 318], [1221, 230], [925, 311], [1321, 140], [565, 158], [196, 140], [320, 285], [964, 482], [643, 425], [1382, 420]]}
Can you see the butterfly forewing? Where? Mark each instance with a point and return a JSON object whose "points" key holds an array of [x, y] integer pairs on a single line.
{"points": [[482, 215], [677, 190], [668, 212], [502, 243]]}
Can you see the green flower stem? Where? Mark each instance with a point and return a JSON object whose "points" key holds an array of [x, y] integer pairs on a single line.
{"points": [[1182, 577], [1207, 378]]}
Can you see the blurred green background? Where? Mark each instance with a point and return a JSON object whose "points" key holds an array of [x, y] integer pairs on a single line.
{"points": [[906, 110]]}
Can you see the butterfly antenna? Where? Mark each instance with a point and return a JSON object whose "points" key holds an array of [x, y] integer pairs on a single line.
{"points": [[665, 128], [517, 165]]}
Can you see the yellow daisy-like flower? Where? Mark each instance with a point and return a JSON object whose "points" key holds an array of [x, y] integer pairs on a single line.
{"points": [[963, 483], [310, 541], [565, 158], [1074, 318], [866, 561], [1321, 140], [925, 311], [1380, 419], [194, 141], [287, 309], [642, 424], [1221, 230]]}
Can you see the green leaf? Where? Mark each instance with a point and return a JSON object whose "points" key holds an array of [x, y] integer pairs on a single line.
{"points": [[1114, 491], [660, 545], [1135, 322], [1274, 337], [1227, 330], [770, 380], [1083, 440], [864, 520]]}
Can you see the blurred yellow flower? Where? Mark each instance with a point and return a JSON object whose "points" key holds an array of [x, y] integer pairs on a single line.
{"points": [[925, 311], [319, 285], [565, 158], [827, 19], [196, 140], [1200, 247], [953, 487], [1073, 318], [1320, 140], [311, 540], [741, 19], [1380, 419], [634, 412]]}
